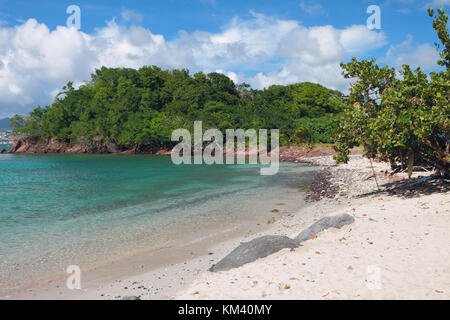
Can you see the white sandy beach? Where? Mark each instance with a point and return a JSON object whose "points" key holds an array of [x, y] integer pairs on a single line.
{"points": [[397, 248]]}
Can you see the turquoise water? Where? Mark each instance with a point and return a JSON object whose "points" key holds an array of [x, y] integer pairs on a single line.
{"points": [[86, 209]]}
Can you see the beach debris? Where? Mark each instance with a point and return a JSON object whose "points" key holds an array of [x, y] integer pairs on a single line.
{"points": [[369, 176], [264, 246], [131, 298]]}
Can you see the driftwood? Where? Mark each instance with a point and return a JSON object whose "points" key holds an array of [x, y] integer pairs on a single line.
{"points": [[369, 176], [264, 246]]}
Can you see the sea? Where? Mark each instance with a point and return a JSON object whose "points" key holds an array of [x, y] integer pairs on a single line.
{"points": [[89, 210]]}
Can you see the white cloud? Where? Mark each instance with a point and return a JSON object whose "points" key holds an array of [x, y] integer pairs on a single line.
{"points": [[35, 61], [357, 39], [131, 16], [312, 8], [233, 76], [328, 74], [422, 55]]}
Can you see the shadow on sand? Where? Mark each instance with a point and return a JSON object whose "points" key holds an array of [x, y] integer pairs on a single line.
{"points": [[413, 188]]}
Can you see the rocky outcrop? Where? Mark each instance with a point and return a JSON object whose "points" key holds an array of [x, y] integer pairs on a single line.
{"points": [[98, 145], [293, 153], [55, 145], [147, 150]]}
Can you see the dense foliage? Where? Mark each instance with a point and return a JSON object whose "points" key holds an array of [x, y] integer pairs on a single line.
{"points": [[404, 119], [142, 107]]}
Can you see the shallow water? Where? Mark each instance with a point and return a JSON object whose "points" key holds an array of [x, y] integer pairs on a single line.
{"points": [[87, 210]]}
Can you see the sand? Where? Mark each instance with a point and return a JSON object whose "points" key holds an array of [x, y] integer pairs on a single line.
{"points": [[396, 249]]}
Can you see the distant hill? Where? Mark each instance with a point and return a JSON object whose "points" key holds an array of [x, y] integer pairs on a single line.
{"points": [[4, 123]]}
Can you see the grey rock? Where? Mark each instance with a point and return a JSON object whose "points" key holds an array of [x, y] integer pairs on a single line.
{"points": [[264, 246], [250, 251], [323, 224], [112, 147]]}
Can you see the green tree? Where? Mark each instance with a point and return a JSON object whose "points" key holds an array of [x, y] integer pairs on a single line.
{"points": [[140, 108], [404, 120]]}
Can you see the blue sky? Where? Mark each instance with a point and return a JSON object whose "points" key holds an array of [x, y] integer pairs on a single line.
{"points": [[256, 41]]}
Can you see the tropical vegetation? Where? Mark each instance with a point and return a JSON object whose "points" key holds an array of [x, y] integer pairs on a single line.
{"points": [[131, 107], [400, 116]]}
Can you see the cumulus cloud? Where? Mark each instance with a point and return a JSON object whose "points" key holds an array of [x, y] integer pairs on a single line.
{"points": [[421, 55], [35, 62]]}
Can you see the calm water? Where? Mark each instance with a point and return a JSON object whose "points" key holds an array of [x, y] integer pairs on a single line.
{"points": [[62, 210]]}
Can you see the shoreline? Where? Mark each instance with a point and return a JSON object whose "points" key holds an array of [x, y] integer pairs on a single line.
{"points": [[397, 248], [171, 268], [54, 146], [335, 189], [188, 266], [193, 250]]}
